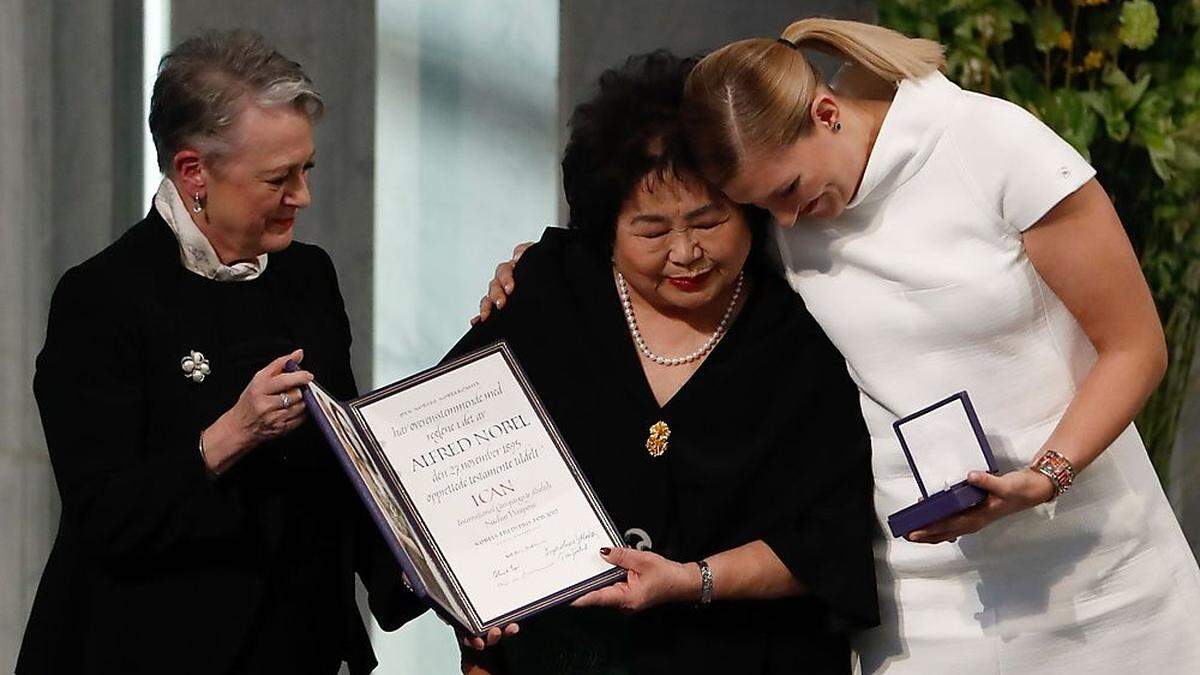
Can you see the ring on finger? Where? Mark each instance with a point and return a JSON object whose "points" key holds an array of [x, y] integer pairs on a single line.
{"points": [[285, 400]]}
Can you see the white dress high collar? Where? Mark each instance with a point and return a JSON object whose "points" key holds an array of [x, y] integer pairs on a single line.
{"points": [[914, 122], [195, 251]]}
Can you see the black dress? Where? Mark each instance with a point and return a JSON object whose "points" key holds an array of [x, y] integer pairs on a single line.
{"points": [[156, 567], [767, 442]]}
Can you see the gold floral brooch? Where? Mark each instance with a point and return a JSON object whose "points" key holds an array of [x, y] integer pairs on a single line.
{"points": [[656, 443]]}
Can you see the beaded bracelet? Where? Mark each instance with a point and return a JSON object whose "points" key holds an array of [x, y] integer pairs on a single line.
{"points": [[1058, 469]]}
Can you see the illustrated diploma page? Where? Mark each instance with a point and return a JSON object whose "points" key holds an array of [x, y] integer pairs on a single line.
{"points": [[483, 489]]}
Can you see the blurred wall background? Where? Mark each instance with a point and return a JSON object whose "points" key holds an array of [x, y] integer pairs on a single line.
{"points": [[70, 152], [438, 153], [465, 125]]}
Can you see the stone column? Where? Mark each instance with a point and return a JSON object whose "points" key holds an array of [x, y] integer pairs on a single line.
{"points": [[69, 95]]}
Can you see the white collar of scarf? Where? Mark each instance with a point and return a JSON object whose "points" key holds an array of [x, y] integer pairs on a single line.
{"points": [[195, 251]]}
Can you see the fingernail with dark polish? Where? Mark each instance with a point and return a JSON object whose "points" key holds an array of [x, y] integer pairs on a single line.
{"points": [[605, 550]]}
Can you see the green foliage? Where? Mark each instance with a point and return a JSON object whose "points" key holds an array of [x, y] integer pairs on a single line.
{"points": [[1046, 25], [1120, 81], [1139, 24]]}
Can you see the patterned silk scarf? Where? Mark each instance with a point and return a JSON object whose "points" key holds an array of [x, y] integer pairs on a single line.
{"points": [[195, 251]]}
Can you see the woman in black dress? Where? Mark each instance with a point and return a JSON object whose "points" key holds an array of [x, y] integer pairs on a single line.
{"points": [[204, 529], [714, 419]]}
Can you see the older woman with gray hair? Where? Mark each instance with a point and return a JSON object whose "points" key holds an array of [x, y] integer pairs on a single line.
{"points": [[204, 528]]}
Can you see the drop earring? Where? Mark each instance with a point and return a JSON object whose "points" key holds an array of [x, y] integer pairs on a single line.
{"points": [[197, 207]]}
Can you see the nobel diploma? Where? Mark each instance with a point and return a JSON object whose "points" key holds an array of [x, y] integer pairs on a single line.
{"points": [[474, 489]]}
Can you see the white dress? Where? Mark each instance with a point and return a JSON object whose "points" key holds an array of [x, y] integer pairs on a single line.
{"points": [[925, 287]]}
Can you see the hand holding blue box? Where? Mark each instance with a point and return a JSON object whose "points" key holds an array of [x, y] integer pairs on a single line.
{"points": [[943, 443]]}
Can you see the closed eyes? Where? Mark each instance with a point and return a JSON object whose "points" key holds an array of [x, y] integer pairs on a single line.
{"points": [[279, 180], [656, 234]]}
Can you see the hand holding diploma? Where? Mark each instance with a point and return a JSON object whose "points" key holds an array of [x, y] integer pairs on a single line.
{"points": [[493, 636], [750, 571], [651, 580], [269, 407]]}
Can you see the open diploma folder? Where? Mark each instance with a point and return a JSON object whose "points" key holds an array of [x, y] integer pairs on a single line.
{"points": [[943, 443], [473, 489]]}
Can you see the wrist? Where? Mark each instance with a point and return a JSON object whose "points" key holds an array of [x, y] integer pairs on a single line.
{"points": [[1047, 490], [1057, 469], [690, 583], [222, 445]]}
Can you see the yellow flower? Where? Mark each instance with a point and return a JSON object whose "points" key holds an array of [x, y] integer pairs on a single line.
{"points": [[1093, 60], [1064, 40]]}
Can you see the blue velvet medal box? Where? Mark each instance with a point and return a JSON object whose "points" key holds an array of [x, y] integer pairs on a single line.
{"points": [[942, 444]]}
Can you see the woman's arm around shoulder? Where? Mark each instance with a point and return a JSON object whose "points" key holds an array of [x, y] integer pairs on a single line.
{"points": [[541, 264]]}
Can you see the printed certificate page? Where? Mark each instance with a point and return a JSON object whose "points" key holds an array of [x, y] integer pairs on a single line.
{"points": [[498, 500]]}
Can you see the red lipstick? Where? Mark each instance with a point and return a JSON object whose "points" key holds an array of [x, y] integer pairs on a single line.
{"points": [[690, 284]]}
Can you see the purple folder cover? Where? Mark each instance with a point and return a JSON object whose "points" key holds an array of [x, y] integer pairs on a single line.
{"points": [[412, 578], [951, 500]]}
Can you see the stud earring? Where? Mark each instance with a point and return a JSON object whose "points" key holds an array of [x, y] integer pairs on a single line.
{"points": [[197, 207], [837, 126]]}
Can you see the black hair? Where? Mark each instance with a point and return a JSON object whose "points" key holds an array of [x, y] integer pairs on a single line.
{"points": [[629, 129]]}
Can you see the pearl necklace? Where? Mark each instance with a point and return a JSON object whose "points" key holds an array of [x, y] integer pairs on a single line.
{"points": [[705, 348]]}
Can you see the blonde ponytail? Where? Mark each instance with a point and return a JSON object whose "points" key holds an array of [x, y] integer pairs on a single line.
{"points": [[890, 55], [757, 93]]}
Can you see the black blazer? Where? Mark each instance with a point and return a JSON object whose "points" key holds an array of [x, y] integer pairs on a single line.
{"points": [[767, 442], [156, 567]]}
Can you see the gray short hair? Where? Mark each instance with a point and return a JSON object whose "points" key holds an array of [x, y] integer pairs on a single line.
{"points": [[206, 80]]}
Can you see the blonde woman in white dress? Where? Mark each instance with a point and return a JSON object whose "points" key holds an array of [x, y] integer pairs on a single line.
{"points": [[947, 240]]}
